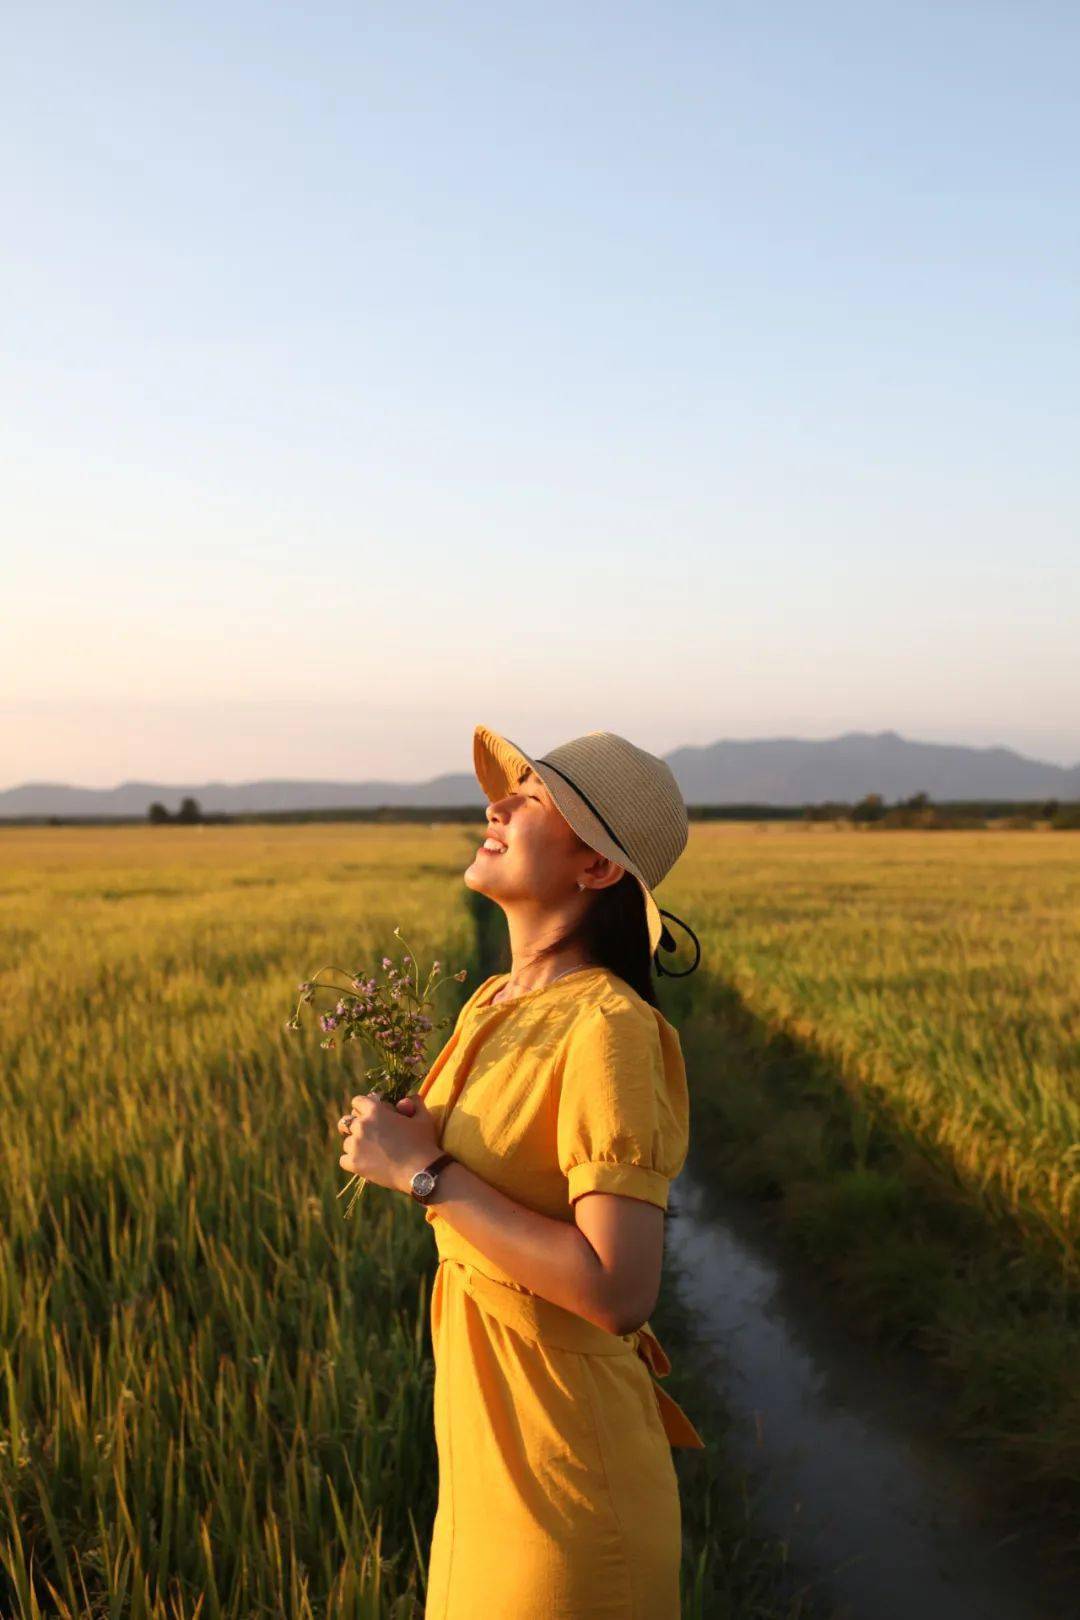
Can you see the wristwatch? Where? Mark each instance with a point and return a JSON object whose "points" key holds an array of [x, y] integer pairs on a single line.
{"points": [[423, 1182]]}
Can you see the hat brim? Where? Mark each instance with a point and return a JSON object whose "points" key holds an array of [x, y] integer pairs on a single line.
{"points": [[499, 765]]}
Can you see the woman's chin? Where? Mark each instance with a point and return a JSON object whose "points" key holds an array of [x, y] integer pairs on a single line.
{"points": [[472, 878]]}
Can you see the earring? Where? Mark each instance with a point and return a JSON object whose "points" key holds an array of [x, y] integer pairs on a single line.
{"points": [[581, 885]]}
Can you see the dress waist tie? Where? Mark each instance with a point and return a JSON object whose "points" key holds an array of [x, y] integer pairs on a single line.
{"points": [[540, 1319], [677, 1426]]}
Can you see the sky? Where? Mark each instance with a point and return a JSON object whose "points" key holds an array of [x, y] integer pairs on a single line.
{"points": [[689, 371]]}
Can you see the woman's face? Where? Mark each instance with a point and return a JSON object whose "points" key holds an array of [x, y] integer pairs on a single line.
{"points": [[540, 857]]}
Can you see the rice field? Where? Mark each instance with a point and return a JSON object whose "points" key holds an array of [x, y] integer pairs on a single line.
{"points": [[941, 973], [211, 1385], [216, 1394]]}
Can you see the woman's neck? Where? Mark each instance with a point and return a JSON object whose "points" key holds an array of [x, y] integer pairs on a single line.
{"points": [[536, 977]]}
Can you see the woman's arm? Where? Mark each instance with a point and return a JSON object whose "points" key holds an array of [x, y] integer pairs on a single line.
{"points": [[605, 1265]]}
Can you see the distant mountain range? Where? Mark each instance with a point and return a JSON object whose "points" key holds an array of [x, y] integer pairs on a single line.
{"points": [[768, 771]]}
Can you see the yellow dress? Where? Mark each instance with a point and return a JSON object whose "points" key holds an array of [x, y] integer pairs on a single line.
{"points": [[558, 1498]]}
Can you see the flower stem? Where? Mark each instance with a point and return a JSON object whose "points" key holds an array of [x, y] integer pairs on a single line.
{"points": [[361, 1184]]}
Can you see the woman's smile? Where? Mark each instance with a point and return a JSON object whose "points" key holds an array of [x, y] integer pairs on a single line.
{"points": [[491, 846]]}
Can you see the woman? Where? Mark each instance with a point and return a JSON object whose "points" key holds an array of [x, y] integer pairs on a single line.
{"points": [[551, 1125]]}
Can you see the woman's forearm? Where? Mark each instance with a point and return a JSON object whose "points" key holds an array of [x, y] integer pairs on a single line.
{"points": [[551, 1257]]}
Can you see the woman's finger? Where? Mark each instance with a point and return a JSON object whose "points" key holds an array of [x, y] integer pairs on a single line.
{"points": [[353, 1149], [406, 1105]]}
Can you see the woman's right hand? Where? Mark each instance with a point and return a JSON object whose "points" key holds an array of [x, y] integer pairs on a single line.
{"points": [[407, 1105]]}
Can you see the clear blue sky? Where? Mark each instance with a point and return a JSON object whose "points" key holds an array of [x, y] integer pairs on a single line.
{"points": [[688, 371]]}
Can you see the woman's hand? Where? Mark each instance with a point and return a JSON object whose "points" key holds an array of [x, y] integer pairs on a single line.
{"points": [[385, 1143]]}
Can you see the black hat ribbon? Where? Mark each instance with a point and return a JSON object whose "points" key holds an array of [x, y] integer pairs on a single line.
{"points": [[667, 943]]}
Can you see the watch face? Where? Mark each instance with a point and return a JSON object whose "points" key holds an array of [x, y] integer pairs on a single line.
{"points": [[422, 1183]]}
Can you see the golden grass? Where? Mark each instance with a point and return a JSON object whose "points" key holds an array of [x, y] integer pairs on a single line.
{"points": [[940, 970], [216, 1392], [213, 1388]]}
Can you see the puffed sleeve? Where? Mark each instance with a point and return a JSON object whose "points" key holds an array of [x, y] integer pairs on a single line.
{"points": [[623, 1109]]}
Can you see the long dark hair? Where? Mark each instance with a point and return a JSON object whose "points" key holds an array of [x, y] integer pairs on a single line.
{"points": [[614, 933]]}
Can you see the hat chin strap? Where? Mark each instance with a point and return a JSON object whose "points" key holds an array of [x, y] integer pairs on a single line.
{"points": [[667, 943]]}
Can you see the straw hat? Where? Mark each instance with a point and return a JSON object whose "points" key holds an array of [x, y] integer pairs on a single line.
{"points": [[622, 801]]}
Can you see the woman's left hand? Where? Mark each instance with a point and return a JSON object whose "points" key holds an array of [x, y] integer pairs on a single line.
{"points": [[385, 1143]]}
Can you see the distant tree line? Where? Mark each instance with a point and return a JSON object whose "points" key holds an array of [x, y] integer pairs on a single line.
{"points": [[188, 813], [918, 811], [872, 810]]}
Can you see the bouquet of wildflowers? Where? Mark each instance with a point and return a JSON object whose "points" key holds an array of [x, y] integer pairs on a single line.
{"points": [[391, 1017]]}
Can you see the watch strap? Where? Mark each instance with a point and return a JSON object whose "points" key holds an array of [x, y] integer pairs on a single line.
{"points": [[433, 1169]]}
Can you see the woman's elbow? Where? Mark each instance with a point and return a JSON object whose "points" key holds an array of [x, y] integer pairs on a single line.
{"points": [[628, 1311]]}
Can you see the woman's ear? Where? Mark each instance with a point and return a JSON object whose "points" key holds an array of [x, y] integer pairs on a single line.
{"points": [[604, 872]]}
